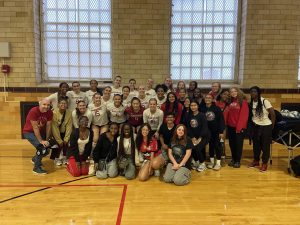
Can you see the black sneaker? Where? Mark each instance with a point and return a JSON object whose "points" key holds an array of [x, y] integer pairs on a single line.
{"points": [[236, 165], [33, 160], [39, 170], [231, 163]]}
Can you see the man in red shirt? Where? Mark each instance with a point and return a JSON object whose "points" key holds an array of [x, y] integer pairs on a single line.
{"points": [[37, 131]]}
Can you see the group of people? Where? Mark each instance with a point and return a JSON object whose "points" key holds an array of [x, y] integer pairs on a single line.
{"points": [[113, 131]]}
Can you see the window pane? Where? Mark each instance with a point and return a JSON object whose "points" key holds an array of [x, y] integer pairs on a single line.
{"points": [[77, 39], [203, 39]]}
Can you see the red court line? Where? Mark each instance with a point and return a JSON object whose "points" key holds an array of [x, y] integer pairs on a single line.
{"points": [[61, 185], [122, 202]]}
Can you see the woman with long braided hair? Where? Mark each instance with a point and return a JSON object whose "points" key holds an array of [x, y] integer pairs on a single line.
{"points": [[262, 125]]}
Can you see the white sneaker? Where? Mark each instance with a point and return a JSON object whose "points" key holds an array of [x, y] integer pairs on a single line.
{"points": [[157, 173], [91, 167], [201, 167], [57, 162], [64, 160], [210, 165], [217, 167], [195, 164]]}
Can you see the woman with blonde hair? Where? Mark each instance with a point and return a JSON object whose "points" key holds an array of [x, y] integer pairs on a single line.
{"points": [[237, 120]]}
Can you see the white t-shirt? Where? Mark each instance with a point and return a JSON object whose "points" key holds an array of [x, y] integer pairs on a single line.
{"points": [[81, 144], [126, 102], [117, 115], [73, 99], [155, 120], [106, 102], [89, 95], [264, 119], [99, 114], [145, 102], [53, 100], [87, 113], [116, 90], [134, 93], [151, 93], [127, 144]]}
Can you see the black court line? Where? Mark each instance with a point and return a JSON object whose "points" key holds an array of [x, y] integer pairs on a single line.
{"points": [[42, 189]]}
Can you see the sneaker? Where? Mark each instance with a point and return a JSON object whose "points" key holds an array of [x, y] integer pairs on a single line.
{"points": [[217, 167], [236, 165], [195, 164], [263, 167], [57, 162], [231, 163], [141, 157], [201, 167], [157, 173], [253, 164], [33, 160], [92, 168], [39, 170], [210, 165], [64, 160]]}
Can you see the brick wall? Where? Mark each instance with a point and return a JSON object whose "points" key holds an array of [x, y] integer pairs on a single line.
{"points": [[269, 46], [272, 39]]}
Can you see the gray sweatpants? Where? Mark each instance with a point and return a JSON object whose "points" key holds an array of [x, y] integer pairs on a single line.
{"points": [[110, 171], [180, 177]]}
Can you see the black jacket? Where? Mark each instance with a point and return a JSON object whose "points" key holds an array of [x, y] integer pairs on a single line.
{"points": [[105, 149], [73, 148]]}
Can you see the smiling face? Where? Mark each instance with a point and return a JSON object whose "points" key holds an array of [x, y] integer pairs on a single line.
{"points": [[253, 93], [126, 130], [160, 93], [145, 131], [192, 85], [117, 82], [171, 98], [83, 122], [180, 131], [113, 129], [117, 100], [125, 92], [136, 104], [152, 105], [97, 99], [142, 90], [208, 99], [233, 92], [215, 87], [225, 96], [132, 84], [64, 88], [81, 107], [197, 93], [63, 105], [93, 85], [181, 85], [194, 107], [168, 82], [44, 105], [76, 87], [187, 103]]}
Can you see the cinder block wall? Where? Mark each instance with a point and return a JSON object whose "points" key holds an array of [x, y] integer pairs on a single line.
{"points": [[268, 55]]}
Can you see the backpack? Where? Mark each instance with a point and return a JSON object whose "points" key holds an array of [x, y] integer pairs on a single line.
{"points": [[295, 165]]}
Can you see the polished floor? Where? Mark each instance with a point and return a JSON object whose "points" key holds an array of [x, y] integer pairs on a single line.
{"points": [[230, 196]]}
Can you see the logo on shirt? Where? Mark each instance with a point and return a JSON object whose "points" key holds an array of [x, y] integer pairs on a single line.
{"points": [[194, 123], [210, 116]]}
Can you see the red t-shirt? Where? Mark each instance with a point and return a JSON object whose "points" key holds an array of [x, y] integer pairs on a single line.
{"points": [[134, 118], [41, 118], [147, 149]]}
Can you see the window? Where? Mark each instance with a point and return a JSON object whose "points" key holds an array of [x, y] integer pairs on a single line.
{"points": [[77, 39], [203, 39]]}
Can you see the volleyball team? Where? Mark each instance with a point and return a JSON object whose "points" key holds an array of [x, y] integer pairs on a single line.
{"points": [[145, 131]]}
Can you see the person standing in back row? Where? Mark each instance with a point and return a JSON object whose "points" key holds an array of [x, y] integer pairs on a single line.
{"points": [[237, 120], [262, 126]]}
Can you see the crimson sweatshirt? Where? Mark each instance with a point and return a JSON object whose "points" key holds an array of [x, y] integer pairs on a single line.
{"points": [[238, 115]]}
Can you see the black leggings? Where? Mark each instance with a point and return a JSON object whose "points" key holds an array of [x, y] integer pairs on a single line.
{"points": [[214, 147], [236, 141], [197, 151]]}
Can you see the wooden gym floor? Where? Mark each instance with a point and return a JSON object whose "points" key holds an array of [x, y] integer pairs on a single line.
{"points": [[230, 196]]}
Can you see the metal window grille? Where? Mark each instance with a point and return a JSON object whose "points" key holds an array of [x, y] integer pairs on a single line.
{"points": [[77, 39], [203, 39]]}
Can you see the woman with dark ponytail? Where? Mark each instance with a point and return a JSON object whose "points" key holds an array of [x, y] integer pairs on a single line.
{"points": [[262, 126]]}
